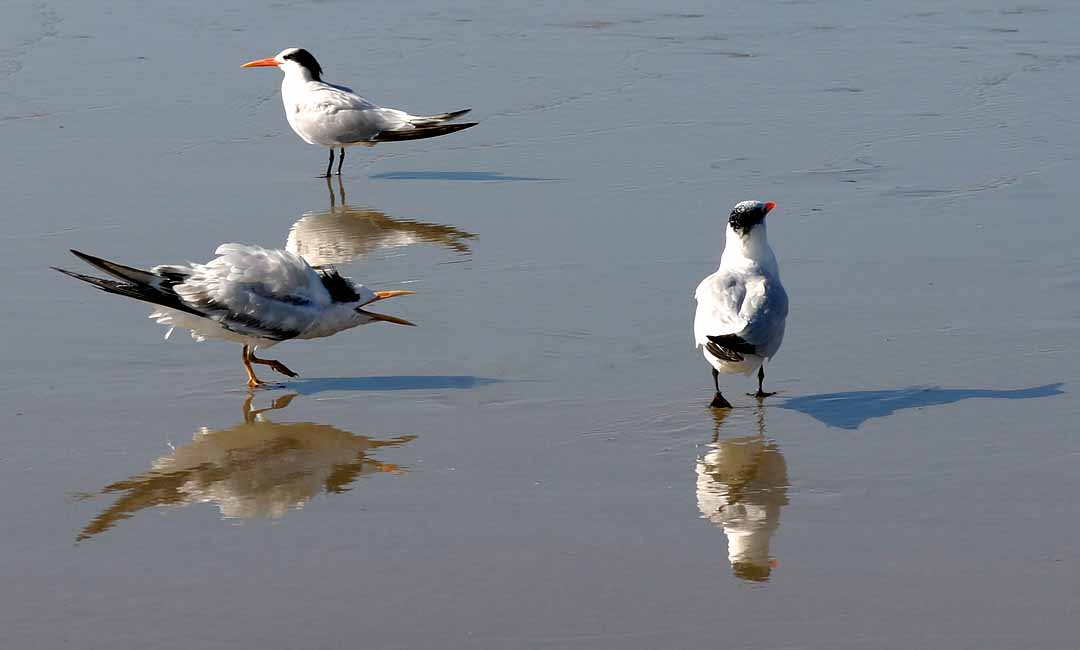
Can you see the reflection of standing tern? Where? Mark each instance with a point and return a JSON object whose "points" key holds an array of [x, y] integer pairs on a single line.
{"points": [[741, 486], [343, 233], [334, 116], [742, 307]]}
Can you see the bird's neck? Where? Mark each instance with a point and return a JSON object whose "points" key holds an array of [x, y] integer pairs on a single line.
{"points": [[296, 75], [750, 249]]}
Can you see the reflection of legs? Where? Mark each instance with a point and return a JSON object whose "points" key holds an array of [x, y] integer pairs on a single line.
{"points": [[341, 159], [718, 401], [250, 414], [760, 394], [329, 165], [276, 365]]}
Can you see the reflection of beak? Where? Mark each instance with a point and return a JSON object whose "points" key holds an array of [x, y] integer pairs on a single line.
{"points": [[268, 62], [383, 295], [769, 205]]}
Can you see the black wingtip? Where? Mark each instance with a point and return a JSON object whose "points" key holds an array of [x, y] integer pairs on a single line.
{"points": [[89, 259], [422, 132]]}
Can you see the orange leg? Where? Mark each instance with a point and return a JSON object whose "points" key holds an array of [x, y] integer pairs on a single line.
{"points": [[253, 381]]}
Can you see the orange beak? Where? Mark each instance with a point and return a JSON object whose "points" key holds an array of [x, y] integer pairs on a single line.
{"points": [[383, 295], [769, 205], [268, 62]]}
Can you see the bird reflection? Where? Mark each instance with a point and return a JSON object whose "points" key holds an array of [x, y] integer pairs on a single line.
{"points": [[256, 468], [741, 486], [342, 233]]}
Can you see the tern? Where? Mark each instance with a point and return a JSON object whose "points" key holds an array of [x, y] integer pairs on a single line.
{"points": [[248, 294], [742, 307], [336, 117]]}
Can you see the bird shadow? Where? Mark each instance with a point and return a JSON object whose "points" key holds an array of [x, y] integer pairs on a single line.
{"points": [[453, 176], [388, 383], [849, 410]]}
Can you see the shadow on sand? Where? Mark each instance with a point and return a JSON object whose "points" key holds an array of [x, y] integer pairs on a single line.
{"points": [[388, 383], [453, 176], [851, 409]]}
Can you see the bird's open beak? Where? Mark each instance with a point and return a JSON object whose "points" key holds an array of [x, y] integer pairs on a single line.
{"points": [[389, 319], [268, 62], [383, 295], [769, 205]]}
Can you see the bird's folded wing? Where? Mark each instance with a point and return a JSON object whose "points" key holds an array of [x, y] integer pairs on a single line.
{"points": [[253, 326], [719, 304], [255, 291]]}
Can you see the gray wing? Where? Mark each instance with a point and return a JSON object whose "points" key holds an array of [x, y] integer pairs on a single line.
{"points": [[256, 292], [765, 309], [738, 313]]}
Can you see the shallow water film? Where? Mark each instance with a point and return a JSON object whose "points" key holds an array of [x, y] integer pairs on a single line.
{"points": [[536, 464]]}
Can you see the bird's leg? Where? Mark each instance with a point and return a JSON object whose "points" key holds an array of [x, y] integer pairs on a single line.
{"points": [[341, 159], [718, 401], [329, 165], [253, 381], [276, 365], [761, 394]]}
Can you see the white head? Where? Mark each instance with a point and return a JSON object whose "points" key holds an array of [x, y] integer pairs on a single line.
{"points": [[746, 231], [293, 61]]}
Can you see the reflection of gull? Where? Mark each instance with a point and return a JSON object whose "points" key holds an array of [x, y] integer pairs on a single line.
{"points": [[257, 468], [741, 485], [342, 233]]}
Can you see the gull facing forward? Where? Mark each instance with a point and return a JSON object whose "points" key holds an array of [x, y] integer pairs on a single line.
{"points": [[335, 116], [742, 307], [249, 295]]}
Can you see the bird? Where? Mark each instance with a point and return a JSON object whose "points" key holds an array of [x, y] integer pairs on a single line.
{"points": [[336, 117], [247, 294], [742, 308]]}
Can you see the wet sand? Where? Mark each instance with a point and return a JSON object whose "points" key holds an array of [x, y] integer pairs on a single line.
{"points": [[535, 466]]}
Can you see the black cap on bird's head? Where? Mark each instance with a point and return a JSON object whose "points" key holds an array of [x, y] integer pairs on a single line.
{"points": [[297, 55], [305, 59], [747, 214]]}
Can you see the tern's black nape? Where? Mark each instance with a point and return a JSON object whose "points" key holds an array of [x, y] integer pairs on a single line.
{"points": [[340, 288], [747, 214], [305, 59]]}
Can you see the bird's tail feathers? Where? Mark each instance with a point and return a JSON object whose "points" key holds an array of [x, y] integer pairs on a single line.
{"points": [[133, 283], [126, 273], [109, 286], [429, 120], [421, 132]]}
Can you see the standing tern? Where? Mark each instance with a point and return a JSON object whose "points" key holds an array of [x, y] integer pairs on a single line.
{"points": [[742, 307], [336, 117], [249, 295]]}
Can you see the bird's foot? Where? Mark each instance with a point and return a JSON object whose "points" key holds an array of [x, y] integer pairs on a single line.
{"points": [[718, 402], [761, 394], [255, 384], [281, 367], [323, 176]]}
